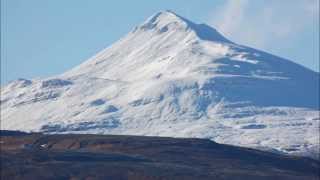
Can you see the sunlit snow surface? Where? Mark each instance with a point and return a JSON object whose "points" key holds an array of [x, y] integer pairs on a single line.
{"points": [[171, 77]]}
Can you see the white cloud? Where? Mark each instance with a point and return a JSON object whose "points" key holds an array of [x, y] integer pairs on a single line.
{"points": [[261, 23]]}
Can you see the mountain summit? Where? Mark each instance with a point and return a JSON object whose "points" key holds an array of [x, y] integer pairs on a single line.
{"points": [[172, 77], [169, 21]]}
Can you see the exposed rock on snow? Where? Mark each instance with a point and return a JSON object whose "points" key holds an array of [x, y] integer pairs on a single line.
{"points": [[52, 83]]}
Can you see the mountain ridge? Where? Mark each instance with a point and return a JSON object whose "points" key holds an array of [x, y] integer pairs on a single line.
{"points": [[163, 79]]}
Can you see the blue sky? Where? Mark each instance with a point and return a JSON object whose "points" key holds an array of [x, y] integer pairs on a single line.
{"points": [[40, 38]]}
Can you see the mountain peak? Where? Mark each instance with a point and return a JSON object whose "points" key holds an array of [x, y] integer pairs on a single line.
{"points": [[173, 77], [164, 19], [166, 15], [168, 20]]}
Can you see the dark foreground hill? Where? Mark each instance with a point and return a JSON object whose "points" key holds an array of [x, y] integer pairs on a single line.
{"points": [[73, 156]]}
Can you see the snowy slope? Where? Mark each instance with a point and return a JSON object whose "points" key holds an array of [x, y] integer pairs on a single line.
{"points": [[172, 77]]}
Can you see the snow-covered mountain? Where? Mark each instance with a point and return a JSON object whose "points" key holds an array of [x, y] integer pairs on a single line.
{"points": [[172, 77]]}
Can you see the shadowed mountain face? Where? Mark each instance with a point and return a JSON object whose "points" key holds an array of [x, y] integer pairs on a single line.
{"points": [[37, 156], [172, 77]]}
